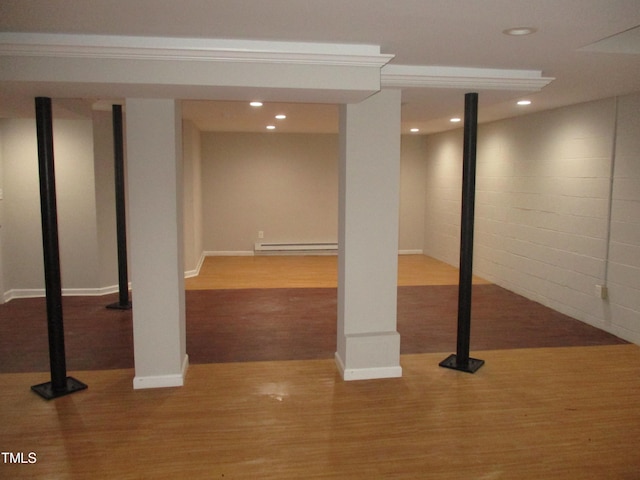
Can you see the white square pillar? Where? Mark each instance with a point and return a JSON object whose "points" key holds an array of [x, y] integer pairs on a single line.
{"points": [[369, 190], [154, 189]]}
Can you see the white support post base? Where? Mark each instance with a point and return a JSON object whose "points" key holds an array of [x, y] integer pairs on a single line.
{"points": [[162, 381], [370, 356]]}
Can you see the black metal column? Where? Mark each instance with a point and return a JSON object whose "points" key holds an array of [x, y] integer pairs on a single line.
{"points": [[121, 225], [461, 360], [60, 384]]}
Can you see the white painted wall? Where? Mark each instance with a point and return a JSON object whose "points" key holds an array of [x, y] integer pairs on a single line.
{"points": [[192, 174], [103, 156], [443, 157], [413, 178], [542, 203], [76, 201], [22, 262], [286, 185], [75, 188], [84, 160]]}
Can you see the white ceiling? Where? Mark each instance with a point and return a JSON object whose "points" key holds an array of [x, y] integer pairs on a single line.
{"points": [[590, 47]]}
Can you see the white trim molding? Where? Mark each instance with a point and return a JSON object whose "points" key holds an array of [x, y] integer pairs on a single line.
{"points": [[195, 272], [189, 49], [162, 381], [371, 373], [66, 292], [406, 76], [229, 253]]}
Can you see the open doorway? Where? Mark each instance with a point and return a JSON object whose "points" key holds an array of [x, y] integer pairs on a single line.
{"points": [[247, 185]]}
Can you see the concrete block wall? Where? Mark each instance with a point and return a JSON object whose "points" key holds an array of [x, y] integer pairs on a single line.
{"points": [[543, 198], [622, 311], [443, 154]]}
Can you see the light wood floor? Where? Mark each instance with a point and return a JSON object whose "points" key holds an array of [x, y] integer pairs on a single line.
{"points": [[553, 414], [300, 271]]}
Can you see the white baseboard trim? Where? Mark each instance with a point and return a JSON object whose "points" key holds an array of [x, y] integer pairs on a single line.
{"points": [[23, 293], [94, 292], [66, 292], [229, 253], [89, 292], [162, 381], [196, 271], [349, 374], [251, 253]]}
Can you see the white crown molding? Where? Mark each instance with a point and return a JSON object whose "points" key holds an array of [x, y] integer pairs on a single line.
{"points": [[189, 49], [406, 76]]}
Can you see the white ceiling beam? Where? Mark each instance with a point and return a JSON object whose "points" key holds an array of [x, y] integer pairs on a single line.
{"points": [[190, 49], [413, 76], [122, 66]]}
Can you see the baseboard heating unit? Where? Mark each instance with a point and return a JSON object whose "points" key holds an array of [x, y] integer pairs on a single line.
{"points": [[312, 248]]}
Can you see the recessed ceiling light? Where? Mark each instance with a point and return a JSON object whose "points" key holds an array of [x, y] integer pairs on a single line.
{"points": [[455, 120], [414, 130], [520, 31], [271, 127], [524, 102], [256, 104], [281, 116]]}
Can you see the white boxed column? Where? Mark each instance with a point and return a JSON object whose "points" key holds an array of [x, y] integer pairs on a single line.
{"points": [[368, 341], [154, 187]]}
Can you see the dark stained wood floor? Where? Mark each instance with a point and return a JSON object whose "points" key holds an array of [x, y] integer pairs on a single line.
{"points": [[283, 324]]}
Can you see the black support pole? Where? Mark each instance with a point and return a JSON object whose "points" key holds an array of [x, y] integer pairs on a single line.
{"points": [[60, 384], [461, 360], [121, 225]]}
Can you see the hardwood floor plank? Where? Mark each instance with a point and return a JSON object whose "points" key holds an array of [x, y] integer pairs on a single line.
{"points": [[268, 271], [557, 414], [416, 270], [282, 324], [309, 271]]}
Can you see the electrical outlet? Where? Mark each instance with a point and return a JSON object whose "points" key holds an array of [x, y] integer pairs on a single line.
{"points": [[602, 291], [260, 234]]}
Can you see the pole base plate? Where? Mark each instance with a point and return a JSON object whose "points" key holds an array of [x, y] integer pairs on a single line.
{"points": [[470, 367], [46, 390], [119, 306]]}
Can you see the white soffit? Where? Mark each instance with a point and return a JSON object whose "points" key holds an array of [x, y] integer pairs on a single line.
{"points": [[413, 76], [624, 42], [189, 49]]}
